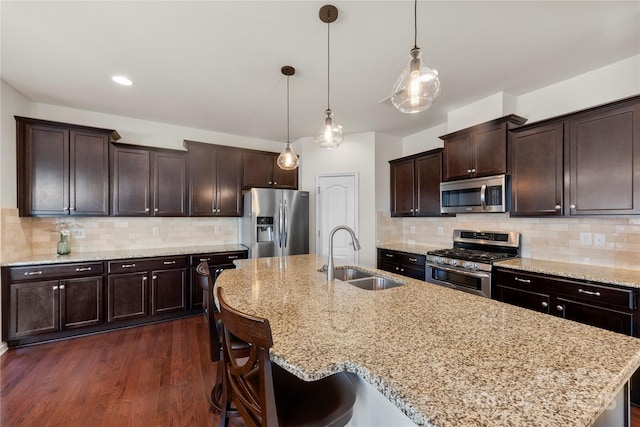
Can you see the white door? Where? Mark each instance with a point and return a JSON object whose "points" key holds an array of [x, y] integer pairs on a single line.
{"points": [[337, 204]]}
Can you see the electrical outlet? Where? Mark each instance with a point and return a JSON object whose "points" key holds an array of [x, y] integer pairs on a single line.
{"points": [[77, 233], [413, 229], [216, 229], [585, 239], [599, 239], [440, 231], [156, 231]]}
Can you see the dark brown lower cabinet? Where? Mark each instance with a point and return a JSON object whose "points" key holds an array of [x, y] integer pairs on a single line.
{"points": [[54, 305], [601, 305], [405, 264], [217, 262], [141, 287]]}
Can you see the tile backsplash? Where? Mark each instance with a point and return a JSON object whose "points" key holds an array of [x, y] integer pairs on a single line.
{"points": [[607, 242], [23, 237]]}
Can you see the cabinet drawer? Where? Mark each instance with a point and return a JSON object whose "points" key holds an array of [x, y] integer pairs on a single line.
{"points": [[145, 264], [597, 294], [413, 259], [38, 272], [217, 258]]}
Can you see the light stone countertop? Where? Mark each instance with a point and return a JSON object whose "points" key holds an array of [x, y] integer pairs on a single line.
{"points": [[121, 254], [610, 275], [408, 247], [444, 357]]}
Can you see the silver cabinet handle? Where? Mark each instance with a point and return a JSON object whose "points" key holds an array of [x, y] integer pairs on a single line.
{"points": [[558, 207], [205, 259], [517, 279], [144, 278], [146, 209], [233, 256], [582, 291], [61, 287], [33, 273], [572, 206], [559, 307], [128, 265], [389, 255], [169, 262], [402, 269], [413, 259], [270, 182], [468, 170], [156, 210], [473, 171], [55, 288], [83, 269], [66, 208], [545, 304], [275, 182], [154, 277]]}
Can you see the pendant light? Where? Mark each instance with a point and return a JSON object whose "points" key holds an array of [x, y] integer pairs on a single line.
{"points": [[418, 85], [330, 134], [288, 160]]}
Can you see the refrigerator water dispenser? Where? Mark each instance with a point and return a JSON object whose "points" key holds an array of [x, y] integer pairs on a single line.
{"points": [[264, 229]]}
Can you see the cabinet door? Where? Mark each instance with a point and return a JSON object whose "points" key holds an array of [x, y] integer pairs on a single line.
{"points": [[490, 151], [168, 290], [34, 308], [89, 173], [527, 299], [428, 174], [257, 170], [127, 296], [46, 170], [402, 188], [130, 186], [169, 184], [202, 180], [229, 183], [457, 157], [81, 302], [287, 179], [604, 161], [536, 171], [600, 317]]}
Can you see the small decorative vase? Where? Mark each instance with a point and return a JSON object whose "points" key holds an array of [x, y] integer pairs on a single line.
{"points": [[64, 247]]}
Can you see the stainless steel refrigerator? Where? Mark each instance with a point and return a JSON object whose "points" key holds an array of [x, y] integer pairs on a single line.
{"points": [[275, 222]]}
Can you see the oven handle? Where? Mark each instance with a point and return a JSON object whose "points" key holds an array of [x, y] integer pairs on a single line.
{"points": [[455, 270], [483, 196]]}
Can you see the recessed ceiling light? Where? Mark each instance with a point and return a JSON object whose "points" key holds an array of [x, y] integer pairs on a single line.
{"points": [[122, 80]]}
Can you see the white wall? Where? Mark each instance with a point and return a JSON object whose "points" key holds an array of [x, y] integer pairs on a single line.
{"points": [[486, 109], [424, 141], [355, 154], [13, 104]]}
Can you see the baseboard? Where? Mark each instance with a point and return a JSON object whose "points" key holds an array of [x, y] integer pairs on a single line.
{"points": [[3, 348]]}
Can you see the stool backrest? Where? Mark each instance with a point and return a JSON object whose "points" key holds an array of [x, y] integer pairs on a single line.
{"points": [[248, 381], [209, 310]]}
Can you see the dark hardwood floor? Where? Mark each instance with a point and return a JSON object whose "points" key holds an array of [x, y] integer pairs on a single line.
{"points": [[155, 375]]}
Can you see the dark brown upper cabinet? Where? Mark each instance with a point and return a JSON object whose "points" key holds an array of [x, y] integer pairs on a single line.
{"points": [[536, 170], [63, 169], [148, 182], [415, 184], [215, 180], [260, 169], [479, 150], [583, 163]]}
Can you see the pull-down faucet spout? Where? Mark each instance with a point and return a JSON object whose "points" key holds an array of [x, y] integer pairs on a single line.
{"points": [[356, 246]]}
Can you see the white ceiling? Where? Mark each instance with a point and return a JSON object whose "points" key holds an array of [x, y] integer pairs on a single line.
{"points": [[216, 64]]}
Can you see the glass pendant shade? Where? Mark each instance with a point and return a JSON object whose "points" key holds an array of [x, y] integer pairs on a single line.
{"points": [[288, 160], [417, 87], [330, 134]]}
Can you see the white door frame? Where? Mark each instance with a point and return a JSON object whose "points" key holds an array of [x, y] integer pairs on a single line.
{"points": [[356, 178]]}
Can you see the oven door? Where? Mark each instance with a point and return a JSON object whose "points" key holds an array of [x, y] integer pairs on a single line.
{"points": [[474, 282]]}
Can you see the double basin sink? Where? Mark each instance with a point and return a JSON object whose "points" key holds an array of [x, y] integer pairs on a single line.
{"points": [[365, 280]]}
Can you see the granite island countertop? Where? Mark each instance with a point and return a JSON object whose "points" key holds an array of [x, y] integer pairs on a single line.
{"points": [[444, 357], [121, 254]]}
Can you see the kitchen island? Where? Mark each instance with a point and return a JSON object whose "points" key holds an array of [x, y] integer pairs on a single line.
{"points": [[443, 357]]}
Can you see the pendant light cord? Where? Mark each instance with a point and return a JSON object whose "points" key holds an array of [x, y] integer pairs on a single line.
{"points": [[415, 24], [328, 62], [287, 109]]}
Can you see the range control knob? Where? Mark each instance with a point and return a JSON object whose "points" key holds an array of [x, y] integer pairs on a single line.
{"points": [[467, 264], [440, 260], [474, 266], [453, 262]]}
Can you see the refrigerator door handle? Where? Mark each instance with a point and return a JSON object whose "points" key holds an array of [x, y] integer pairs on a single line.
{"points": [[286, 224], [280, 223]]}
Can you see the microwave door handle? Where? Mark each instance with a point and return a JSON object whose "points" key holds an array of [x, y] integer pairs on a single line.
{"points": [[483, 196]]}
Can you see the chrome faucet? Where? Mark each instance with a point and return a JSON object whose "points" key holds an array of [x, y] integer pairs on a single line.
{"points": [[331, 272]]}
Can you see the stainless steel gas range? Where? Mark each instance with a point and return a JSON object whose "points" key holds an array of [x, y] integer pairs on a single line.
{"points": [[467, 266]]}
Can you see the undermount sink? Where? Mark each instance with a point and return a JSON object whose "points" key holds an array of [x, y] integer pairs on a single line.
{"points": [[364, 279], [346, 274], [375, 283]]}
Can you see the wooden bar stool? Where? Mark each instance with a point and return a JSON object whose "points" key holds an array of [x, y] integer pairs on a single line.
{"points": [[214, 324], [266, 395]]}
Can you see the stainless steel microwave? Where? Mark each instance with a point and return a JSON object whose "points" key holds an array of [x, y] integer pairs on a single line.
{"points": [[486, 194]]}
